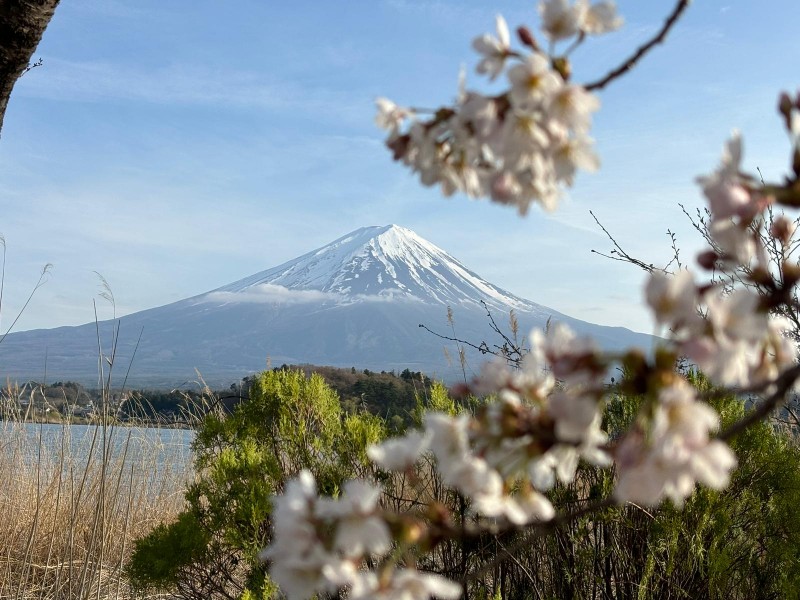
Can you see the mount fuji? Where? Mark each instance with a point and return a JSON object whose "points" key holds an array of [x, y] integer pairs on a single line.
{"points": [[358, 301]]}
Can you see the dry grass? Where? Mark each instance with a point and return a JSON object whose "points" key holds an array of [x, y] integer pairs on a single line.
{"points": [[73, 499]]}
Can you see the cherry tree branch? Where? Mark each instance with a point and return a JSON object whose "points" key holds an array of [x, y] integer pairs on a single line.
{"points": [[619, 254], [641, 51], [32, 66], [782, 386], [511, 349], [538, 530]]}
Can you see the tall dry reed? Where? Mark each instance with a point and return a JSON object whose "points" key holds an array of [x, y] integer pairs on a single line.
{"points": [[73, 498]]}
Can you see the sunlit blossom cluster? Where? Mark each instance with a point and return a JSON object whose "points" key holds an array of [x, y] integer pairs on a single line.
{"points": [[735, 342], [522, 145], [320, 545], [732, 337], [540, 418], [734, 204], [675, 452], [516, 447]]}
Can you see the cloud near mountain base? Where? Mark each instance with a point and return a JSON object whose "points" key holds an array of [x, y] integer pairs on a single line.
{"points": [[270, 293]]}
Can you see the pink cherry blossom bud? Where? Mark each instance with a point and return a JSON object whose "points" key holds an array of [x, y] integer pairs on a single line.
{"points": [[785, 107], [505, 188], [526, 37], [399, 146], [727, 199], [460, 390], [782, 229], [791, 274], [796, 161], [707, 259]]}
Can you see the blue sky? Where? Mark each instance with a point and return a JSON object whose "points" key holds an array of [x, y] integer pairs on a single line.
{"points": [[175, 147]]}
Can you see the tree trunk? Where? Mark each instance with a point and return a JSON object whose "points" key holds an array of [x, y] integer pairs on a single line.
{"points": [[22, 23]]}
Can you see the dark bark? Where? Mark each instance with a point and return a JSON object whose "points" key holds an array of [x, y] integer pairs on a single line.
{"points": [[22, 23]]}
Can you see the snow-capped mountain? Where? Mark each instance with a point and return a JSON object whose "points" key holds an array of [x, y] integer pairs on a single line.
{"points": [[358, 301], [380, 263]]}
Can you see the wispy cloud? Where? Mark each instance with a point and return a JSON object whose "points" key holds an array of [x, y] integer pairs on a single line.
{"points": [[269, 293], [106, 8], [182, 84], [390, 295], [449, 11]]}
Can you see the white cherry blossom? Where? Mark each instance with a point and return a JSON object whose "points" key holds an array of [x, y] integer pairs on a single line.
{"points": [[676, 454], [400, 453], [600, 17], [571, 358], [390, 116], [674, 299], [520, 147], [560, 19], [410, 584], [573, 154], [359, 528], [493, 50], [573, 106], [725, 189], [532, 82], [737, 316], [297, 554], [737, 243]]}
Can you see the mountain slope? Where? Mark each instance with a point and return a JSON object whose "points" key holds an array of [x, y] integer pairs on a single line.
{"points": [[357, 301], [389, 262]]}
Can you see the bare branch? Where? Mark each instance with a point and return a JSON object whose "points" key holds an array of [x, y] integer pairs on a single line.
{"points": [[618, 253], [641, 51], [541, 529], [32, 66], [511, 349]]}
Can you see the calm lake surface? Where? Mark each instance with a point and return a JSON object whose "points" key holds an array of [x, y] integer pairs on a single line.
{"points": [[74, 444]]}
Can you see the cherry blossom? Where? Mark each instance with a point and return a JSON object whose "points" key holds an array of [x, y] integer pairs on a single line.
{"points": [[676, 453], [390, 116], [573, 106], [726, 190], [400, 453], [359, 529], [560, 19], [494, 50], [533, 82], [738, 245], [520, 147], [674, 300], [539, 419], [410, 584], [598, 18], [297, 554]]}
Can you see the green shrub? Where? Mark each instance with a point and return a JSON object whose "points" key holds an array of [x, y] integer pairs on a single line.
{"points": [[743, 542], [289, 423], [739, 543]]}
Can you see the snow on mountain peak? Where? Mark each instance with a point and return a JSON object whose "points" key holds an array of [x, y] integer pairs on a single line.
{"points": [[375, 263]]}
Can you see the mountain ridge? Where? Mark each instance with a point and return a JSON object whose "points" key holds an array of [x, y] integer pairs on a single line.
{"points": [[357, 301], [392, 252]]}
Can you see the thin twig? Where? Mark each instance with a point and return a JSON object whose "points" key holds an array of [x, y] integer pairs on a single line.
{"points": [[32, 66], [39, 283], [640, 52], [620, 253], [511, 350], [541, 529]]}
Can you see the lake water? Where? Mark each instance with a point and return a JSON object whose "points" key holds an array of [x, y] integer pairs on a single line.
{"points": [[155, 448]]}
